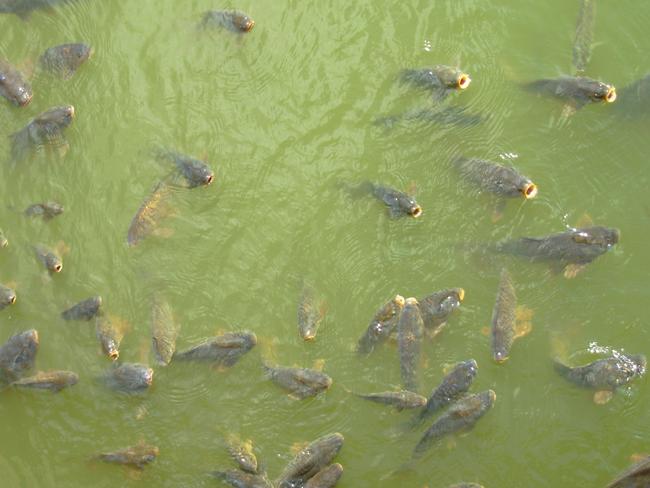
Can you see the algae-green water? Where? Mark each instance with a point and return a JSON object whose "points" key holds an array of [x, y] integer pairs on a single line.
{"points": [[287, 117]]}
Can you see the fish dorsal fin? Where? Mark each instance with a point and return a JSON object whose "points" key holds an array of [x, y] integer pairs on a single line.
{"points": [[585, 220]]}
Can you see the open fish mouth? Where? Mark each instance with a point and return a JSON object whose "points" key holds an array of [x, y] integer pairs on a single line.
{"points": [[416, 211], [611, 95], [500, 357], [461, 294], [399, 299], [209, 179], [530, 191], [248, 25], [12, 299], [57, 268], [463, 81]]}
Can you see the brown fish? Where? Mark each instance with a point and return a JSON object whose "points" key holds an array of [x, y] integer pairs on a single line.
{"points": [[505, 327], [50, 258], [310, 314], [301, 382], [48, 380], [137, 456], [409, 335], [13, 85], [242, 454], [64, 60], [310, 460], [7, 296], [148, 217], [164, 331], [18, 354], [381, 325], [110, 332], [44, 130], [635, 476], [326, 477], [232, 20]]}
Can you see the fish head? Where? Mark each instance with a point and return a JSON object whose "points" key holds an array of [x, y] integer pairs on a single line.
{"points": [[18, 92], [112, 350], [328, 446], [468, 370], [7, 296], [147, 376], [597, 91], [79, 52], [599, 236], [54, 208], [640, 364], [243, 22], [58, 116], [53, 262], [199, 174], [500, 355], [410, 206], [71, 378]]}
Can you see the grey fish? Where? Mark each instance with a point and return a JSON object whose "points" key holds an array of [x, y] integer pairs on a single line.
{"points": [[7, 296], [24, 8], [13, 85], [584, 35], [461, 415], [4, 242], [84, 310], [242, 453], [439, 79], [110, 332], [240, 479], [310, 313], [137, 456], [452, 387], [399, 203], [504, 318], [398, 399], [381, 325], [466, 485], [604, 374], [448, 116], [64, 60], [46, 129], [310, 460], [146, 220], [129, 377], [326, 477], [410, 329], [635, 476], [233, 20], [437, 307], [164, 331], [195, 171], [49, 257], [48, 380], [46, 210], [635, 99], [577, 90], [18, 354], [501, 180], [224, 350], [301, 382]]}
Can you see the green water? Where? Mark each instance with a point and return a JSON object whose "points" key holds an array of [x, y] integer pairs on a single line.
{"points": [[285, 116]]}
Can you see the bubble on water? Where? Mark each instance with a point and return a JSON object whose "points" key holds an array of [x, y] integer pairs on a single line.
{"points": [[508, 155], [427, 45], [624, 362]]}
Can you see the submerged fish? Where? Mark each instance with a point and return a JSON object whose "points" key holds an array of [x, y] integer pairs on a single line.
{"points": [[230, 19], [570, 250], [577, 90], [195, 171], [410, 329], [84, 310], [604, 374], [137, 456], [466, 485], [437, 307], [18, 354], [399, 203], [64, 60], [381, 325], [46, 210], [326, 477], [7, 296], [501, 180], [240, 479], [310, 313], [452, 387], [224, 350], [398, 399], [584, 35], [310, 460], [635, 476], [24, 8], [164, 331], [110, 332], [439, 80], [46, 129], [48, 380], [242, 454], [147, 219], [13, 85], [301, 382], [449, 115], [129, 377], [461, 415], [50, 258], [504, 318]]}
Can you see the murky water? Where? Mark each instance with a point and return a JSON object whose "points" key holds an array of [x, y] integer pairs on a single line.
{"points": [[285, 115]]}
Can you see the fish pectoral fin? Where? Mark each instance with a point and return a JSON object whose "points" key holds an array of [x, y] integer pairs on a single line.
{"points": [[602, 397], [499, 208], [572, 270], [164, 232], [485, 331], [585, 220], [523, 313], [319, 364], [439, 94], [522, 329], [296, 447]]}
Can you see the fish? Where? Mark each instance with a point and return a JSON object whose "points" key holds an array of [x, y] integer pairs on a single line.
{"points": [[110, 332], [301, 382], [310, 460], [224, 350], [410, 329], [242, 453], [399, 399], [240, 479], [448, 116], [18, 354], [584, 35], [504, 318], [578, 91], [499, 179], [456, 383], [137, 456], [635, 99], [4, 242], [84, 310], [381, 325], [129, 377], [7, 296], [604, 374], [46, 210], [50, 258], [462, 415], [399, 203], [146, 220], [570, 251], [232, 20], [310, 314], [635, 476], [326, 477], [439, 79], [466, 485], [195, 171], [44, 130], [64, 60], [13, 85], [436, 308], [24, 8], [48, 380], [164, 331]]}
